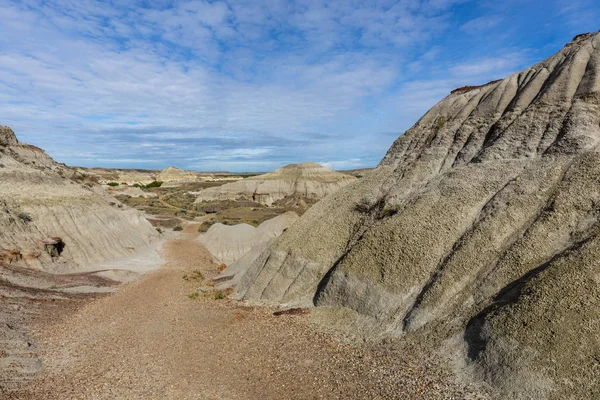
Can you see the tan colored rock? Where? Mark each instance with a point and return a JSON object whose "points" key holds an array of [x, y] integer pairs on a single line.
{"points": [[173, 174], [478, 235], [7, 136], [38, 201], [228, 243], [310, 180]]}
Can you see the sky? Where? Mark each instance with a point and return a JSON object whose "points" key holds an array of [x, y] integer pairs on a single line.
{"points": [[252, 85]]}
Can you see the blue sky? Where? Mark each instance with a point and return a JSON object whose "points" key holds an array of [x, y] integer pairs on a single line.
{"points": [[253, 85]]}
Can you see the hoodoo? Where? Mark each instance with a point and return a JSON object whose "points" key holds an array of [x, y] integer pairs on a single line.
{"points": [[477, 234], [309, 180]]}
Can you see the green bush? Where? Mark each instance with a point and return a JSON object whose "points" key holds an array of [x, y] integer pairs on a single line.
{"points": [[206, 225], [113, 183], [154, 184], [220, 296]]}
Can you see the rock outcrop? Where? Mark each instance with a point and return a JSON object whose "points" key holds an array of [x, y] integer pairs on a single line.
{"points": [[310, 180], [173, 174], [168, 175], [55, 223], [478, 233], [228, 243]]}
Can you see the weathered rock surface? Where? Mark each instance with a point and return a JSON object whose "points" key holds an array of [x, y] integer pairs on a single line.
{"points": [[310, 180], [228, 243], [144, 177], [173, 174], [39, 204], [478, 233]]}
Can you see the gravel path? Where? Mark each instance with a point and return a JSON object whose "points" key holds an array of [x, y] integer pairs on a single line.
{"points": [[150, 340]]}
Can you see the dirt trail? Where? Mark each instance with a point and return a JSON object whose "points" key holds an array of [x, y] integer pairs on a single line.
{"points": [[151, 341]]}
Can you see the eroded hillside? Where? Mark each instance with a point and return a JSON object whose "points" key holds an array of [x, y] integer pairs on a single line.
{"points": [[478, 234]]}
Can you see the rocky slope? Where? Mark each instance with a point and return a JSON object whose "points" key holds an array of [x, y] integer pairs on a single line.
{"points": [[478, 234], [51, 222], [310, 180]]}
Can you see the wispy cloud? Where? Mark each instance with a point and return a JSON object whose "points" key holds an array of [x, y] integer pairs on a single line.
{"points": [[232, 85]]}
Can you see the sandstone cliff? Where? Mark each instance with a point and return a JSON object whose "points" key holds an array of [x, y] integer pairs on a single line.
{"points": [[310, 180], [478, 233]]}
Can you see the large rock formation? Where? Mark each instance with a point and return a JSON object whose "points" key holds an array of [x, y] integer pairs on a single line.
{"points": [[146, 176], [173, 174], [310, 180], [229, 243], [479, 232], [55, 223]]}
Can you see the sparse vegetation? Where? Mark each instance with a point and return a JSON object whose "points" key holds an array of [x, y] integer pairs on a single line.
{"points": [[24, 216], [113, 183], [441, 122], [206, 225], [195, 275], [193, 295], [391, 209], [220, 295], [153, 184], [364, 204], [158, 229], [178, 228]]}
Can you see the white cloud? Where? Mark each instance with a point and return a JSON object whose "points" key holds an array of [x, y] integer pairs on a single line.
{"points": [[255, 82]]}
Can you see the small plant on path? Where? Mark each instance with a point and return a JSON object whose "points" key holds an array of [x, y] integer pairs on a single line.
{"points": [[220, 296]]}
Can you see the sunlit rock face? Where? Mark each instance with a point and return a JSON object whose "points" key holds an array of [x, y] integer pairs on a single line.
{"points": [[309, 180], [478, 234], [41, 203]]}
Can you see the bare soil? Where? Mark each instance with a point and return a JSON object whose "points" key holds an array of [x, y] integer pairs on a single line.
{"points": [[167, 337]]}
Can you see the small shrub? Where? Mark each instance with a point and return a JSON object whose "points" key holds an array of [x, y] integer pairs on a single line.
{"points": [[193, 295], [178, 228], [441, 122], [158, 229], [24, 216], [219, 296], [113, 183], [222, 267], [154, 184], [390, 209], [206, 225], [364, 204], [196, 275]]}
